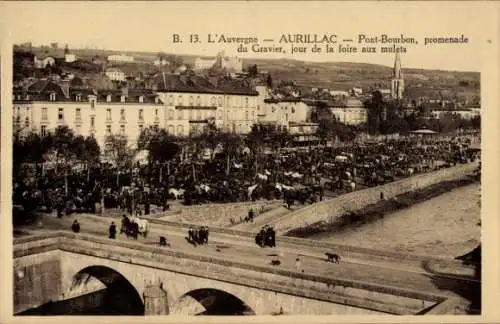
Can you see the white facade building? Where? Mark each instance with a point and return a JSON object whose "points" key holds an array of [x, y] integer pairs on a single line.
{"points": [[115, 74], [120, 58], [69, 58], [281, 112], [352, 113]]}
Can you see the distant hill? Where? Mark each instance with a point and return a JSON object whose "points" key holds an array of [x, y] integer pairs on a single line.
{"points": [[332, 75]]}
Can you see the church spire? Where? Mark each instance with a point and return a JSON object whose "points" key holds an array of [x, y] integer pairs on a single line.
{"points": [[397, 83], [397, 67]]}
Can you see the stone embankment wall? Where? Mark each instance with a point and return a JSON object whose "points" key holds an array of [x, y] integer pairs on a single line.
{"points": [[329, 210], [218, 214]]}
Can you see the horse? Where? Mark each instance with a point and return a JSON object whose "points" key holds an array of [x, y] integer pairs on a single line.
{"points": [[142, 224], [176, 193]]}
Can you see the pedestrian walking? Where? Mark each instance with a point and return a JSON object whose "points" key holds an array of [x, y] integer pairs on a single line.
{"points": [[112, 231], [297, 265], [76, 227]]}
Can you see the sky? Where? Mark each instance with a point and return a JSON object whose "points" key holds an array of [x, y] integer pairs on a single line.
{"points": [[149, 26]]}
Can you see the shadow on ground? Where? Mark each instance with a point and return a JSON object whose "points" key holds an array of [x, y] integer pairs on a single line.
{"points": [[467, 287]]}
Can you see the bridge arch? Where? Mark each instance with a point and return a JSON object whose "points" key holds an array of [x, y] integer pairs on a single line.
{"points": [[120, 296], [210, 301]]}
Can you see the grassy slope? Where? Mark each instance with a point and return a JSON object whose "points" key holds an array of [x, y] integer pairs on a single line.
{"points": [[337, 75]]}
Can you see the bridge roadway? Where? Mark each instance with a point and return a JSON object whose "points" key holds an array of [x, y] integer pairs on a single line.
{"points": [[413, 273]]}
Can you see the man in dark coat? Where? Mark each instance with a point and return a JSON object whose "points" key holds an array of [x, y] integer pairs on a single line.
{"points": [[112, 230], [76, 227], [250, 215]]}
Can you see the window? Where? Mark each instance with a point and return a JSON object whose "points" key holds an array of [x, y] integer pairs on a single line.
{"points": [[180, 130], [108, 98], [141, 99], [171, 130], [108, 130], [246, 102], [108, 114], [214, 101], [170, 114], [92, 122], [220, 101], [60, 114], [191, 100], [293, 110], [78, 130], [190, 114], [220, 114], [180, 100], [258, 107], [122, 114], [141, 114], [140, 128], [78, 97], [26, 122], [44, 114], [179, 114], [27, 97], [253, 115], [171, 100], [156, 113], [198, 114], [92, 103], [122, 129], [43, 130], [246, 114], [52, 97], [122, 98]]}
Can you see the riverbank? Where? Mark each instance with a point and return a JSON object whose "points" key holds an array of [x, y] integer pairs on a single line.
{"points": [[378, 211]]}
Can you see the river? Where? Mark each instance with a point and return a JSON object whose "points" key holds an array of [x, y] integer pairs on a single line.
{"points": [[444, 226]]}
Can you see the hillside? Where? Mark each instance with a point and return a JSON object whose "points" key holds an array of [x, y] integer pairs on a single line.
{"points": [[333, 75]]}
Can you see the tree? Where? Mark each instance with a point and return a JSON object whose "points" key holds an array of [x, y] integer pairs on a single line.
{"points": [[117, 151], [161, 145], [375, 109], [253, 70], [476, 122], [269, 81]]}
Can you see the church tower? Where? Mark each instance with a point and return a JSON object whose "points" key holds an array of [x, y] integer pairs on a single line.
{"points": [[397, 84]]}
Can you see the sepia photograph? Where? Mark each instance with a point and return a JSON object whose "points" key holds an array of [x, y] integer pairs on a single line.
{"points": [[237, 158]]}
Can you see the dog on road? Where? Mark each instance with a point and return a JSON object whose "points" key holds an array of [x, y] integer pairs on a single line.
{"points": [[333, 257]]}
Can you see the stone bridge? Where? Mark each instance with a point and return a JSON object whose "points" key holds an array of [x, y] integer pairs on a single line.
{"points": [[152, 280]]}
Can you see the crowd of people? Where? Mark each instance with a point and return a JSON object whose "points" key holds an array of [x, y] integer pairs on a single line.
{"points": [[294, 175]]}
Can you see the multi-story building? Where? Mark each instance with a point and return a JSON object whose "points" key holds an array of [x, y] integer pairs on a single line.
{"points": [[352, 112], [120, 58], [282, 111], [46, 105], [115, 74], [182, 105], [192, 102]]}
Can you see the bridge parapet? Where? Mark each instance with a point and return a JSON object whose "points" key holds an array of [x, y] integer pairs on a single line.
{"points": [[337, 290]]}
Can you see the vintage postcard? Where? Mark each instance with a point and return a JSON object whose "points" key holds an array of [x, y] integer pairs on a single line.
{"points": [[276, 159]]}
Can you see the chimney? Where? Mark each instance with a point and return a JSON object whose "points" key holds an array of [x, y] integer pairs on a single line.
{"points": [[65, 88]]}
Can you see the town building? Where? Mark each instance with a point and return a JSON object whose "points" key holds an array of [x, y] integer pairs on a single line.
{"points": [[45, 105], [352, 112], [115, 74], [121, 58], [69, 58], [397, 82], [43, 62], [161, 62], [192, 102], [230, 64], [281, 111]]}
